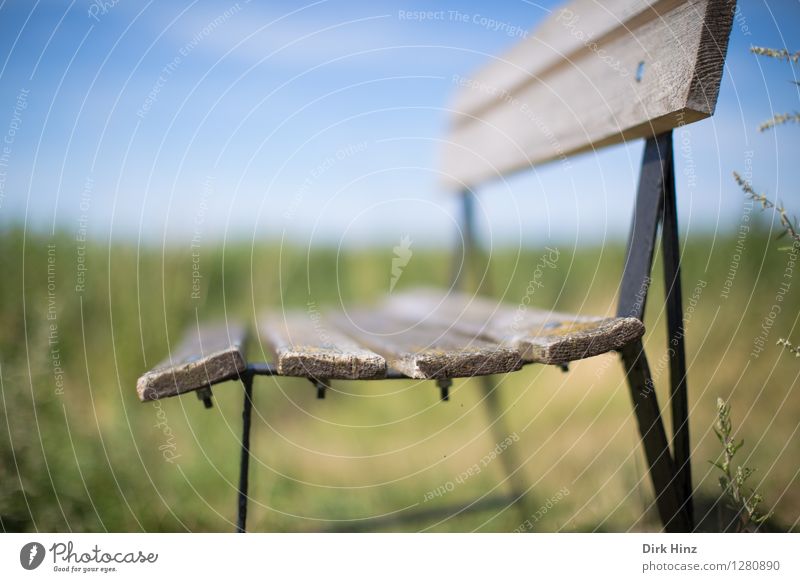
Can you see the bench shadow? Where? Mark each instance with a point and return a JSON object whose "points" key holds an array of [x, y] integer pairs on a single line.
{"points": [[712, 514], [428, 514]]}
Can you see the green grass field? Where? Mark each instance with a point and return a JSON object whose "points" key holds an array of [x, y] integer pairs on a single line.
{"points": [[80, 453]]}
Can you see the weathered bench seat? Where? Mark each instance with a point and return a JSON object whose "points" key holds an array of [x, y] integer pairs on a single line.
{"points": [[205, 356], [420, 334]]}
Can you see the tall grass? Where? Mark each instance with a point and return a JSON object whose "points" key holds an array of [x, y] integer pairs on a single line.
{"points": [[88, 456]]}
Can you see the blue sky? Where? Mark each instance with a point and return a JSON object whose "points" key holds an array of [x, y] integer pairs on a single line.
{"points": [[317, 123]]}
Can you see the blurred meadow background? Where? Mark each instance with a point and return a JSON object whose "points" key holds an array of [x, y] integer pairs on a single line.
{"points": [[92, 458], [281, 152]]}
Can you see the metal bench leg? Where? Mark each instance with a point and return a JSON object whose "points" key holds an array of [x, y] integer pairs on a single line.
{"points": [[679, 399], [244, 464], [655, 204], [671, 508]]}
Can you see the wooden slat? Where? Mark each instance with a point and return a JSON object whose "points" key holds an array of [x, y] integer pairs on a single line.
{"points": [[212, 354], [541, 336], [307, 345], [552, 42], [428, 351], [557, 94]]}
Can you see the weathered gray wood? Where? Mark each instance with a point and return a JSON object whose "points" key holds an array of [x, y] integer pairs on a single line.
{"points": [[419, 350], [574, 85], [546, 337], [206, 356], [305, 344], [549, 45]]}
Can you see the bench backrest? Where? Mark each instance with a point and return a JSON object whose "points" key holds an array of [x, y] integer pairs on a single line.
{"points": [[593, 74]]}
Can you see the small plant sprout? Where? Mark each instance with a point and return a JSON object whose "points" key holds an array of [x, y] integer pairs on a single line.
{"points": [[789, 346], [780, 55], [789, 224], [779, 119], [741, 498]]}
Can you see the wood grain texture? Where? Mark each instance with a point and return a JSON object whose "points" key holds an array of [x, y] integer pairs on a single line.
{"points": [[550, 46], [305, 344], [575, 84], [541, 336], [419, 350], [206, 356]]}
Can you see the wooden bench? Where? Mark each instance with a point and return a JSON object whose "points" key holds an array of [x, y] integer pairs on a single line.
{"points": [[592, 75]]}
